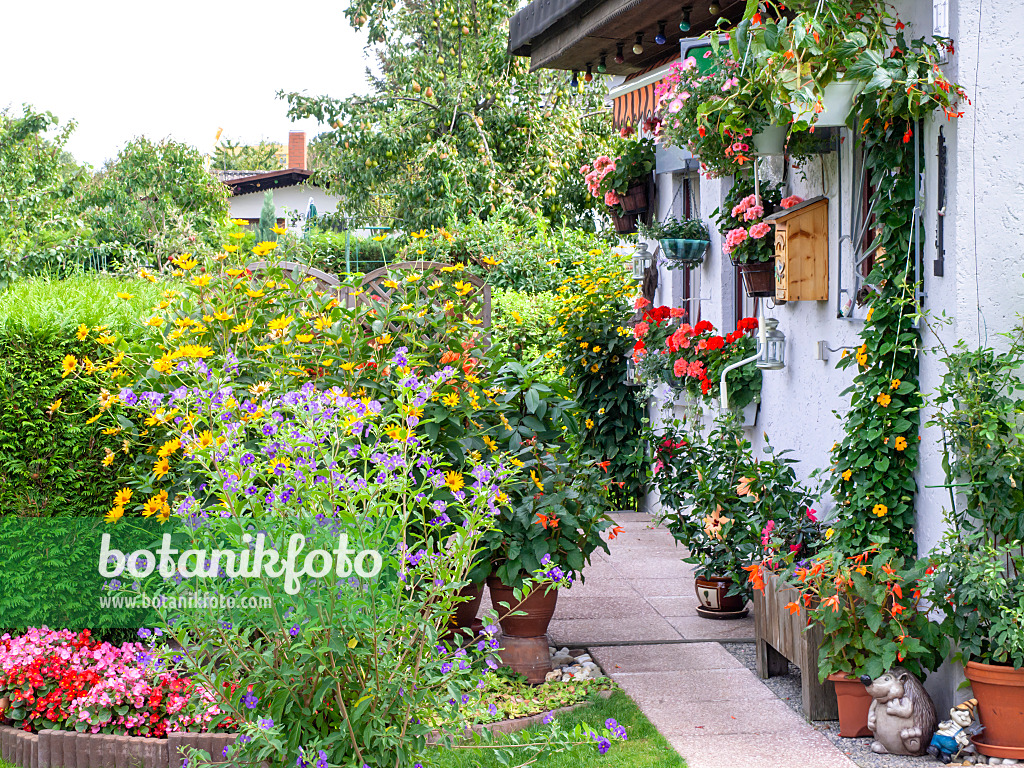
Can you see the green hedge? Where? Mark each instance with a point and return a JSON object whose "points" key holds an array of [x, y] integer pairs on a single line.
{"points": [[524, 327]]}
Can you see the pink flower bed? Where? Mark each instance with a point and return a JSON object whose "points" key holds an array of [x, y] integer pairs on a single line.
{"points": [[60, 679]]}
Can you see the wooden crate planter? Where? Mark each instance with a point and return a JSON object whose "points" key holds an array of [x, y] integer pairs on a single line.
{"points": [[801, 251], [781, 638]]}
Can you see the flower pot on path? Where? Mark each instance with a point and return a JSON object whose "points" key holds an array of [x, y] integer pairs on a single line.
{"points": [[854, 702], [524, 638], [465, 612], [759, 278], [782, 637], [715, 600], [1000, 694]]}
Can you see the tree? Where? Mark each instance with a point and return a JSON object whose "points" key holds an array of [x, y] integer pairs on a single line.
{"points": [[38, 181], [454, 126], [268, 219], [265, 156]]}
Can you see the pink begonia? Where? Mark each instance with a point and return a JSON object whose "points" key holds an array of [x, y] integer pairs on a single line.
{"points": [[760, 229], [792, 200], [735, 237], [585, 170], [611, 198], [641, 330], [753, 213]]}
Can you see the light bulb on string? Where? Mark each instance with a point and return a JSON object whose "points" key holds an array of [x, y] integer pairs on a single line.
{"points": [[684, 24], [589, 76], [714, 8], [638, 46], [602, 67], [575, 82], [660, 37], [618, 53]]}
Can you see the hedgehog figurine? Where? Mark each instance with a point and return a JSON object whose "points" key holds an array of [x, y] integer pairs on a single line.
{"points": [[902, 715]]}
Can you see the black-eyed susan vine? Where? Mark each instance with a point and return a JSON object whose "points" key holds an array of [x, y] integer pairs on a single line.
{"points": [[874, 465], [594, 307]]}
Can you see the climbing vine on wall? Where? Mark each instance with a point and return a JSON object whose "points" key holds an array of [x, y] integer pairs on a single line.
{"points": [[875, 463]]}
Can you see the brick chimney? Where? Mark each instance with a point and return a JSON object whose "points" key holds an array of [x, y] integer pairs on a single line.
{"points": [[297, 149]]}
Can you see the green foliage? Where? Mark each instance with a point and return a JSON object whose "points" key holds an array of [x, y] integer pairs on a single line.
{"points": [[268, 220], [874, 483], [594, 308], [38, 181], [154, 201], [751, 250], [325, 249], [646, 747], [871, 609], [672, 228], [524, 328], [454, 127], [265, 156]]}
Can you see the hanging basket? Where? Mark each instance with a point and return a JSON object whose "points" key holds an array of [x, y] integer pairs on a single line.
{"points": [[689, 252], [837, 102], [635, 199], [770, 140], [759, 278], [625, 224]]}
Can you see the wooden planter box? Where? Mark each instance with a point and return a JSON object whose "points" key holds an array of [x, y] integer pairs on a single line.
{"points": [[781, 638]]}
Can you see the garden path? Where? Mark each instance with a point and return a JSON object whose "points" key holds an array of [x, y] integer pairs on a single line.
{"points": [[636, 613]]}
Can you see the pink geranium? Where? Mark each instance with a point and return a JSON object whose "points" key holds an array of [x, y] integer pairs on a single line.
{"points": [[755, 212], [679, 367], [760, 229], [611, 198], [735, 236], [641, 330], [790, 201]]}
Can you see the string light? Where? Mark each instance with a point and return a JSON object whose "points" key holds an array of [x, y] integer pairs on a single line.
{"points": [[638, 46], [575, 82], [660, 37], [602, 67], [684, 24], [714, 9], [618, 53], [589, 76]]}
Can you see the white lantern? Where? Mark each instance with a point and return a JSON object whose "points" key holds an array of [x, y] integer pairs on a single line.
{"points": [[771, 354], [641, 261]]}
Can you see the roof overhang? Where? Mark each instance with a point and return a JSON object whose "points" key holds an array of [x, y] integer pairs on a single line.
{"points": [[261, 182], [571, 34]]}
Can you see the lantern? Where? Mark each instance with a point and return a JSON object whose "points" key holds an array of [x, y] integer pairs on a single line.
{"points": [[641, 261], [771, 353]]}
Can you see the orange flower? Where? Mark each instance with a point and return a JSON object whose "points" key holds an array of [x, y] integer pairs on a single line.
{"points": [[833, 603], [546, 521], [449, 357], [884, 400], [793, 608], [614, 532]]}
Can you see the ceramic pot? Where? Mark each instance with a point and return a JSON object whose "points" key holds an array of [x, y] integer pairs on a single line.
{"points": [[635, 199], [539, 607], [854, 703], [1000, 694], [686, 251], [837, 103], [759, 278], [714, 597], [770, 140]]}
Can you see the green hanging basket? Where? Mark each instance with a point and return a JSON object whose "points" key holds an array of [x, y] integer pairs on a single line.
{"points": [[689, 252]]}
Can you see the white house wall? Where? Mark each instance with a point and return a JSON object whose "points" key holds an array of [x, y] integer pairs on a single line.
{"points": [[286, 199], [981, 292]]}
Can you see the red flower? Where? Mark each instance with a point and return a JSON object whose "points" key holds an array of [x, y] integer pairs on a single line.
{"points": [[714, 342], [703, 327], [747, 324], [908, 135], [705, 386]]}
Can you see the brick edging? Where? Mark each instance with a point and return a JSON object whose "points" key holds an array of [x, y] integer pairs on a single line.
{"points": [[71, 749]]}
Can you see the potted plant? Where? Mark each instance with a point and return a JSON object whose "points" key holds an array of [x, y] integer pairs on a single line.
{"points": [[683, 242], [871, 611], [746, 235], [620, 179], [977, 581]]}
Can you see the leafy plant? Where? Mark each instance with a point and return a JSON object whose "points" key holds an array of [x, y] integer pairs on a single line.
{"points": [[524, 328], [745, 237], [609, 177], [672, 228], [871, 609], [268, 220]]}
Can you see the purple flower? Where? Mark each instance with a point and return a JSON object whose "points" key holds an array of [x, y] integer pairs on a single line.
{"points": [[321, 760], [266, 723], [250, 700], [549, 718], [603, 745], [294, 631]]}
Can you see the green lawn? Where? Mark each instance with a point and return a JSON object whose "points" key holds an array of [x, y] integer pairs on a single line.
{"points": [[646, 748]]}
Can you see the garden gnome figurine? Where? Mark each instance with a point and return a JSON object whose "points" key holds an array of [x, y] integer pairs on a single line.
{"points": [[902, 716], [953, 736]]}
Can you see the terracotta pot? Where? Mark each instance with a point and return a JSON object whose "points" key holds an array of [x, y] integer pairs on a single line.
{"points": [[854, 703], [759, 278], [635, 199], [538, 606], [1000, 694], [465, 612], [625, 224], [712, 591]]}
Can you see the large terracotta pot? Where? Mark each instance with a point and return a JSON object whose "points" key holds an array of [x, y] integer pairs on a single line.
{"points": [[854, 703], [1000, 694], [712, 591], [759, 278], [539, 607], [465, 612]]}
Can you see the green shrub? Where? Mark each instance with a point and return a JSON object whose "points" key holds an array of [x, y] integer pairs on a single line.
{"points": [[524, 328], [325, 249], [52, 463]]}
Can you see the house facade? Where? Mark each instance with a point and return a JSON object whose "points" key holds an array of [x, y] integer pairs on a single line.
{"points": [[970, 200]]}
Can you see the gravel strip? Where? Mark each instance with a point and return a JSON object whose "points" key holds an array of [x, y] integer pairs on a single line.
{"points": [[787, 688]]}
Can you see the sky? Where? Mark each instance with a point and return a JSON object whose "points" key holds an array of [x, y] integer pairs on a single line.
{"points": [[179, 69]]}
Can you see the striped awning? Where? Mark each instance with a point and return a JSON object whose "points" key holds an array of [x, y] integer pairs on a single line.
{"points": [[633, 101]]}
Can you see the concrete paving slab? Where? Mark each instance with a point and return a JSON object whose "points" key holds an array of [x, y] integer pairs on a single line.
{"points": [[683, 716], [583, 631], [605, 607], [694, 627], [671, 587], [675, 606], [666, 658], [800, 749]]}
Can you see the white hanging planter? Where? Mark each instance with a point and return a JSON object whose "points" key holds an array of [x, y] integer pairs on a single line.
{"points": [[750, 413], [770, 140], [837, 103]]}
